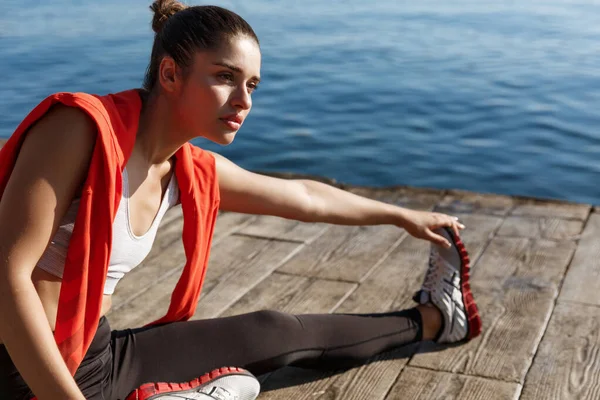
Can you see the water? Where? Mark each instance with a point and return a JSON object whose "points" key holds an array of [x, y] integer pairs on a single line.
{"points": [[496, 97]]}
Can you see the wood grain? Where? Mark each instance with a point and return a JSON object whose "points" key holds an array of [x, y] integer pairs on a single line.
{"points": [[553, 209], [237, 266], [547, 228], [582, 283], [344, 252], [292, 294], [420, 384], [229, 222], [283, 229], [567, 364]]}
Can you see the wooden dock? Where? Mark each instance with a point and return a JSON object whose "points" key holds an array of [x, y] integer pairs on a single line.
{"points": [[536, 278]]}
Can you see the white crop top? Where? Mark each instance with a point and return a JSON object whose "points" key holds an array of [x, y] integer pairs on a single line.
{"points": [[128, 250]]}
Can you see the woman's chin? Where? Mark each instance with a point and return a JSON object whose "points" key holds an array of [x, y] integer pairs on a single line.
{"points": [[225, 139]]}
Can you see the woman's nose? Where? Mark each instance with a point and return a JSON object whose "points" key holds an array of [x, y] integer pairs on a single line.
{"points": [[242, 99]]}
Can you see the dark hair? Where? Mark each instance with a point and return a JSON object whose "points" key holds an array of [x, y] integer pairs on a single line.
{"points": [[181, 30]]}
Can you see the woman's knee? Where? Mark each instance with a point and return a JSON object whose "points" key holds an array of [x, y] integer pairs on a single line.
{"points": [[276, 320]]}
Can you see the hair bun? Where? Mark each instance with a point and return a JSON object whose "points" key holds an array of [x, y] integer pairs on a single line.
{"points": [[163, 10]]}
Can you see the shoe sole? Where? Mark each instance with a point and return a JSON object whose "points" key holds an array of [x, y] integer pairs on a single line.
{"points": [[150, 391], [473, 318]]}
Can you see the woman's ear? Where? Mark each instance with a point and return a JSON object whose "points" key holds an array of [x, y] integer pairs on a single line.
{"points": [[169, 74]]}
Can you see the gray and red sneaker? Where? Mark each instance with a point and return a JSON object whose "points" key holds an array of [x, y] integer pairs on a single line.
{"points": [[220, 384], [447, 286]]}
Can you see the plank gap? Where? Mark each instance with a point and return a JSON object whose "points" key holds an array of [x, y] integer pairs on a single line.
{"points": [[575, 302], [321, 279], [253, 236], [464, 374]]}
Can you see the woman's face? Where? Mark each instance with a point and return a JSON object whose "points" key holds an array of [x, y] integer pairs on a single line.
{"points": [[216, 95]]}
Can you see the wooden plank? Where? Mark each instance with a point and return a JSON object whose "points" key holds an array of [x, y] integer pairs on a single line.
{"points": [[344, 252], [393, 282], [476, 203], [541, 208], [229, 222], [515, 285], [280, 228], [237, 264], [582, 283], [567, 364], [272, 293], [523, 262], [416, 384], [292, 294], [234, 271], [547, 228]]}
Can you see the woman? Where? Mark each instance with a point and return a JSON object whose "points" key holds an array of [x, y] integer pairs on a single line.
{"points": [[85, 181]]}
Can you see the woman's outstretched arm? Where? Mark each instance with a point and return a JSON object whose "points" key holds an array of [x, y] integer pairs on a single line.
{"points": [[52, 164], [312, 201]]}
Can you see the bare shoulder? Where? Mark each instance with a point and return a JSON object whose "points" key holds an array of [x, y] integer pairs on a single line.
{"points": [[63, 140], [64, 126]]}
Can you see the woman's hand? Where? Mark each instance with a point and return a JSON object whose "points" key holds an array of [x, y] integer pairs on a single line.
{"points": [[421, 224]]}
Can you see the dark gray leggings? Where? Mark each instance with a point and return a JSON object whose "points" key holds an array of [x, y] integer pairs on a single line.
{"points": [[120, 361]]}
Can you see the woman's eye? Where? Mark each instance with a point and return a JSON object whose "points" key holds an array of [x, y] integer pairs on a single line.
{"points": [[252, 87], [226, 77]]}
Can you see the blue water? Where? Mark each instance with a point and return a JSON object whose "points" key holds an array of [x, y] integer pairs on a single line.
{"points": [[501, 98]]}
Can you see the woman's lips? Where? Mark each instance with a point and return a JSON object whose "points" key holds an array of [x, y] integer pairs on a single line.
{"points": [[233, 122]]}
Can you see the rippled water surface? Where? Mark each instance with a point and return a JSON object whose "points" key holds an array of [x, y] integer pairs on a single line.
{"points": [[501, 97]]}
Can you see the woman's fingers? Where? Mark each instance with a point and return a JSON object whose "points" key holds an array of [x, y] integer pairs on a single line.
{"points": [[456, 225], [437, 239]]}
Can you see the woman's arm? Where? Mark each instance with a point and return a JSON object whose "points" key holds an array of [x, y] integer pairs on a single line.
{"points": [[52, 164], [312, 201]]}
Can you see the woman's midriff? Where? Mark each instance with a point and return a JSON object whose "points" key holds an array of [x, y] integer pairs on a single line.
{"points": [[48, 288]]}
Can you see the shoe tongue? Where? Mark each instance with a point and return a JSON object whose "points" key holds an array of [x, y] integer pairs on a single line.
{"points": [[422, 297]]}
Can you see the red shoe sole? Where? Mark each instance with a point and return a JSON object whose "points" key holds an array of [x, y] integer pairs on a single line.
{"points": [[149, 390], [473, 318]]}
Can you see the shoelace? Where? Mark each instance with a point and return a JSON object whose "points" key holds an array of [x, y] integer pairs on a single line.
{"points": [[216, 392], [432, 274], [221, 394]]}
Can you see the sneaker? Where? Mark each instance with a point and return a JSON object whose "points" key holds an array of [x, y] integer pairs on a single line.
{"points": [[447, 286], [220, 384]]}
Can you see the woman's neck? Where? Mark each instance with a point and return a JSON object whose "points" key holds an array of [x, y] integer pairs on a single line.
{"points": [[156, 140]]}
